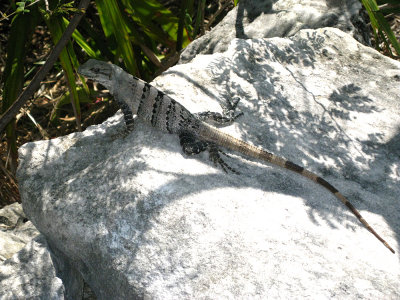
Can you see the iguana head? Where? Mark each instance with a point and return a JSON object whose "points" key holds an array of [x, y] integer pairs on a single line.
{"points": [[100, 71]]}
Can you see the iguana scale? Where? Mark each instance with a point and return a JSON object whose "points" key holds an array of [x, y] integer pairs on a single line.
{"points": [[152, 106]]}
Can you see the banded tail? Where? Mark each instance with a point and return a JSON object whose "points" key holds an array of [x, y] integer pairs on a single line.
{"points": [[211, 134]]}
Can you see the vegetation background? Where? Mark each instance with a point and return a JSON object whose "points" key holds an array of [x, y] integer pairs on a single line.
{"points": [[143, 36]]}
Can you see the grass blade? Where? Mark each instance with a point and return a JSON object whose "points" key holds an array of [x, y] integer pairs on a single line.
{"points": [[117, 30], [20, 33], [380, 25]]}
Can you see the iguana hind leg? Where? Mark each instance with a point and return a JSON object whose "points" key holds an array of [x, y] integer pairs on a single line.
{"points": [[191, 146], [215, 157]]}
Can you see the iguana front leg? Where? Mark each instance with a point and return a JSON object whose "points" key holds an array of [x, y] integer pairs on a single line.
{"points": [[217, 119], [128, 115]]}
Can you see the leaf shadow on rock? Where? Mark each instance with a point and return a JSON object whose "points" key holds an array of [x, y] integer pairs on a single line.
{"points": [[29, 274], [320, 134], [250, 9]]}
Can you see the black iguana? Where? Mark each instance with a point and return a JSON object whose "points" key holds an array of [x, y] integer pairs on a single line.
{"points": [[137, 97]]}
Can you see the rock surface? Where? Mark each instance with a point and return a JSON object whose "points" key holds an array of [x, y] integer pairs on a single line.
{"points": [[14, 232], [30, 274], [27, 269], [139, 219], [280, 18]]}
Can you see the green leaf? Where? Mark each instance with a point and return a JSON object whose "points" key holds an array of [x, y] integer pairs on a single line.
{"points": [[383, 24], [97, 40], [380, 25], [116, 29], [67, 57], [20, 33], [82, 42], [156, 21]]}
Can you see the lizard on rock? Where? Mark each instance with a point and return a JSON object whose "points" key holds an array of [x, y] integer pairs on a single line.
{"points": [[136, 97]]}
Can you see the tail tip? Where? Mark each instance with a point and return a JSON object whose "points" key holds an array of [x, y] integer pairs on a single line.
{"points": [[390, 248]]}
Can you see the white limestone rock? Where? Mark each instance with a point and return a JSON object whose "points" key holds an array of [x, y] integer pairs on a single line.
{"points": [[27, 270], [30, 274], [14, 232], [280, 18], [139, 219]]}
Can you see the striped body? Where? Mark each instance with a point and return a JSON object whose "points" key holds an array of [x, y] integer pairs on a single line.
{"points": [[137, 97], [156, 108]]}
